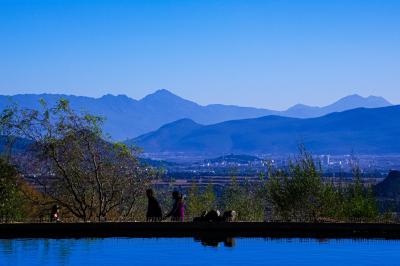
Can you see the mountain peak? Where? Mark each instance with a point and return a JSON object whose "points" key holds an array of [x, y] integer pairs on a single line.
{"points": [[300, 108], [163, 92], [121, 98], [356, 100], [165, 99], [160, 94], [379, 98], [182, 123], [346, 103], [352, 96]]}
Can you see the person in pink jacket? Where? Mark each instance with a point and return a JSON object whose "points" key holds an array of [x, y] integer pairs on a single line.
{"points": [[177, 212]]}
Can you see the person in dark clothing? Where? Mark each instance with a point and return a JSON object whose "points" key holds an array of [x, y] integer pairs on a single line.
{"points": [[177, 212], [55, 214], [154, 212]]}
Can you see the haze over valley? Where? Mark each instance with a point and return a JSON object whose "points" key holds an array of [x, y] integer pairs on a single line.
{"points": [[127, 118]]}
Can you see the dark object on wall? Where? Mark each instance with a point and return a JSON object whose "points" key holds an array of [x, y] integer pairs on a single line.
{"points": [[215, 216]]}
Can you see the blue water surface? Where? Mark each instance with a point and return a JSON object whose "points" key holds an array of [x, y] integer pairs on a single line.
{"points": [[186, 251]]}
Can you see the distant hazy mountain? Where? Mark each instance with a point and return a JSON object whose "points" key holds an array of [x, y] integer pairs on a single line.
{"points": [[367, 131], [19, 144], [127, 118], [346, 103]]}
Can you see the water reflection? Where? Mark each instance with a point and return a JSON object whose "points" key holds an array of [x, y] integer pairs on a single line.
{"points": [[181, 251], [215, 241]]}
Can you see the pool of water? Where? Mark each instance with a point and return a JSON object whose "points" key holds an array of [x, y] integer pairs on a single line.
{"points": [[189, 251]]}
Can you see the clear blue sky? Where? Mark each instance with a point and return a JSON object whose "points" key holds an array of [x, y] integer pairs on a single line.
{"points": [[257, 53]]}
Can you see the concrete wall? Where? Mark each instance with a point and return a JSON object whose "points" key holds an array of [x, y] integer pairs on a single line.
{"points": [[217, 230]]}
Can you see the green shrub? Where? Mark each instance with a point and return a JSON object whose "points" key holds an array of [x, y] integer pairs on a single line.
{"points": [[11, 198]]}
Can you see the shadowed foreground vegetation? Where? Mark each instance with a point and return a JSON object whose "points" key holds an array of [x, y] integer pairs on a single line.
{"points": [[69, 162], [295, 194]]}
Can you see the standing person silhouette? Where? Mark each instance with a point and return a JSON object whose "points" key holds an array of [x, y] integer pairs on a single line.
{"points": [[177, 212], [55, 214], [154, 213]]}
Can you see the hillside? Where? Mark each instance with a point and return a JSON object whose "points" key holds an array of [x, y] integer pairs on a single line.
{"points": [[389, 187], [366, 131]]}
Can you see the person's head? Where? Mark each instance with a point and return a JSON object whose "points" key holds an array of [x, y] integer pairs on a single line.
{"points": [[149, 193], [175, 195], [55, 208]]}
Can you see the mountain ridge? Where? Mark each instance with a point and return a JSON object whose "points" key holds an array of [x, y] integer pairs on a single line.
{"points": [[127, 118], [363, 130]]}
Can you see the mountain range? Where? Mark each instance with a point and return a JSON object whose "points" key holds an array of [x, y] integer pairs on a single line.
{"points": [[361, 130], [128, 118]]}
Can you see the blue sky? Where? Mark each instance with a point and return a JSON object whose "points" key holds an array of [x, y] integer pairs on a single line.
{"points": [[257, 53]]}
